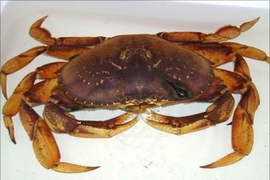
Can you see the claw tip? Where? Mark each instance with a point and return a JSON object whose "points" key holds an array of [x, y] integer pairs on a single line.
{"points": [[208, 166], [14, 141]]}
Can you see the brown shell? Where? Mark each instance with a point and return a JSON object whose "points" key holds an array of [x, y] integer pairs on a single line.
{"points": [[135, 68]]}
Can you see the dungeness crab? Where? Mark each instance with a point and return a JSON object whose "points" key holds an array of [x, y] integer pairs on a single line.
{"points": [[134, 73]]}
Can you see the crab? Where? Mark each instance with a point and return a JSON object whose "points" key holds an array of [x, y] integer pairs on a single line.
{"points": [[135, 73]]}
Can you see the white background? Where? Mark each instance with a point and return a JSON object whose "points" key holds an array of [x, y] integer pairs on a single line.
{"points": [[254, 4], [142, 152]]}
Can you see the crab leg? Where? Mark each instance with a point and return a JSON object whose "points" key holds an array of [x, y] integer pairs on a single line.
{"points": [[220, 111], [217, 113], [215, 52], [17, 63], [248, 51], [64, 47], [222, 34], [242, 131], [11, 106], [221, 53], [63, 122], [26, 87], [44, 144], [57, 118], [44, 36], [59, 121]]}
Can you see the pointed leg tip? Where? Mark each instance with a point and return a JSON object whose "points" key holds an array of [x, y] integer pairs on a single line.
{"points": [[14, 141], [43, 18], [225, 161], [93, 168], [65, 167], [208, 166], [11, 135]]}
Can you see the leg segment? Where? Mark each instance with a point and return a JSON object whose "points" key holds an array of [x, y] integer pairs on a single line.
{"points": [[44, 144], [63, 122], [217, 113], [59, 121], [220, 111], [11, 106], [26, 86], [221, 53], [248, 51], [222, 34], [17, 63], [44, 36], [242, 131], [215, 52], [64, 47]]}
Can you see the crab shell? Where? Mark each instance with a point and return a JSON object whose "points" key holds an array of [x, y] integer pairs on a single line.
{"points": [[135, 70]]}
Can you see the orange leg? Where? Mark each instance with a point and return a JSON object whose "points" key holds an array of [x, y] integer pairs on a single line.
{"points": [[44, 36], [212, 47], [44, 144], [222, 34], [221, 53], [64, 47], [219, 112], [59, 121], [12, 105], [63, 122], [248, 51], [242, 131], [243, 118]]}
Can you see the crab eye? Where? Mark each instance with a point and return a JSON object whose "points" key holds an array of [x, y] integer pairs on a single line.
{"points": [[181, 92]]}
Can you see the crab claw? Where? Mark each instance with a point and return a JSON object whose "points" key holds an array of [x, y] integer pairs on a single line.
{"points": [[63, 122], [48, 154], [242, 131]]}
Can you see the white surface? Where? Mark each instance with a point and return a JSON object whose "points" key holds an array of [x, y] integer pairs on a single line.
{"points": [[253, 4], [142, 152]]}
